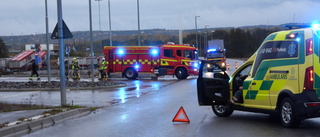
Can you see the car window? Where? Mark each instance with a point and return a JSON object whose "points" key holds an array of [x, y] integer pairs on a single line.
{"points": [[275, 50], [188, 54], [168, 53]]}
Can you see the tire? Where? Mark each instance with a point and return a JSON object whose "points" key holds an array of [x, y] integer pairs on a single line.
{"points": [[288, 115], [181, 73], [222, 110], [130, 73]]}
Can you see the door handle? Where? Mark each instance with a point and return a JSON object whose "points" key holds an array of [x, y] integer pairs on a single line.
{"points": [[254, 83]]}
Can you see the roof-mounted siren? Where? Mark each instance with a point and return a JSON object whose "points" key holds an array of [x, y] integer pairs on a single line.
{"points": [[296, 26], [300, 25], [212, 50], [170, 43]]}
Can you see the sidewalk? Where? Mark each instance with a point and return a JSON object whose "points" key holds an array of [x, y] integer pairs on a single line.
{"points": [[15, 115], [33, 120], [17, 123]]}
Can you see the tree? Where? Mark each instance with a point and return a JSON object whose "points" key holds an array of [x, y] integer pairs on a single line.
{"points": [[3, 49]]}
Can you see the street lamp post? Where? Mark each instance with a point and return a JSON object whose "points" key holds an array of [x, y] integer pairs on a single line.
{"points": [[195, 18], [99, 15], [139, 33], [99, 21], [47, 42], [91, 42], [206, 38], [110, 33]]}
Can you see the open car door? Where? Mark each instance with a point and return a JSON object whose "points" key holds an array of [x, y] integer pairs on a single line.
{"points": [[212, 84]]}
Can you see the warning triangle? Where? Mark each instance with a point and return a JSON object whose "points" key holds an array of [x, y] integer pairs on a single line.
{"points": [[66, 32], [185, 117]]}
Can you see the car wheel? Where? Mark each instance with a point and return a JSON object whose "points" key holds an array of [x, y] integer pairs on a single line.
{"points": [[222, 110], [181, 73], [130, 73], [288, 114]]}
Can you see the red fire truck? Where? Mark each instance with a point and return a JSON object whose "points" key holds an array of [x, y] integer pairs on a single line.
{"points": [[167, 59]]}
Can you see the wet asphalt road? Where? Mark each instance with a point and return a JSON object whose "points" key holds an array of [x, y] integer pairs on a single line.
{"points": [[91, 98], [151, 116]]}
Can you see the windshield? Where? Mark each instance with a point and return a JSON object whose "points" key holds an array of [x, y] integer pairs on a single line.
{"points": [[215, 55], [191, 54], [196, 54]]}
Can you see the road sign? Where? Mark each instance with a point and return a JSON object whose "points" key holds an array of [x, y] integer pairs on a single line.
{"points": [[67, 49], [66, 32]]}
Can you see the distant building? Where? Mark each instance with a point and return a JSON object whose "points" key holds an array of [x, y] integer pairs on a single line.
{"points": [[42, 46], [54, 48]]}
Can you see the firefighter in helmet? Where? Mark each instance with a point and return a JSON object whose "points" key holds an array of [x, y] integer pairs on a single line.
{"points": [[75, 67], [102, 69]]}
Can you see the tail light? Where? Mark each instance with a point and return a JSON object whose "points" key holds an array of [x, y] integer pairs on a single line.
{"points": [[311, 104], [309, 47], [309, 79]]}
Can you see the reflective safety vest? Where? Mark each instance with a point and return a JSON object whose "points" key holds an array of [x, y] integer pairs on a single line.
{"points": [[75, 66], [103, 65]]}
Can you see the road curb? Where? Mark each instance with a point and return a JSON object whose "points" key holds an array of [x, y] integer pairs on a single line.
{"points": [[57, 89], [32, 126]]}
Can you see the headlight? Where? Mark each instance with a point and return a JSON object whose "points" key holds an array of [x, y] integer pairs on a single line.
{"points": [[223, 64]]}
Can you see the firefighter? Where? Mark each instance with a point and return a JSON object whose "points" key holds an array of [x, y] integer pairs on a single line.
{"points": [[75, 67], [34, 70], [102, 69]]}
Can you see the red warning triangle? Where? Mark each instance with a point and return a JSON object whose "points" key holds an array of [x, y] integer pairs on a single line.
{"points": [[185, 117]]}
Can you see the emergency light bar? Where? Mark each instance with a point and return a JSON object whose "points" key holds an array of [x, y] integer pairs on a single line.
{"points": [[315, 25], [210, 50]]}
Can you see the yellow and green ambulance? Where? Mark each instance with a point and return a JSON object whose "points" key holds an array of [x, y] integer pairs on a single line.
{"points": [[282, 77]]}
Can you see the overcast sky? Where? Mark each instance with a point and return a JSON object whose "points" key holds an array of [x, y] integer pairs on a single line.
{"points": [[28, 16]]}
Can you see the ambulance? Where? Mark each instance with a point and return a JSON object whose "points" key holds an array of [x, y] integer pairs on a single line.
{"points": [[281, 78]]}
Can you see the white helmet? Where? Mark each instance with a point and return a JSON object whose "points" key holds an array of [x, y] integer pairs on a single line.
{"points": [[103, 59]]}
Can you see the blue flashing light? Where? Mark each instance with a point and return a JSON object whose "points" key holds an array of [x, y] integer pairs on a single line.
{"points": [[196, 65], [154, 52], [315, 25], [298, 39], [120, 51], [210, 50], [136, 66]]}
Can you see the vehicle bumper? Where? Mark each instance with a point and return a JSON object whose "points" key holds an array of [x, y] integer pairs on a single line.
{"points": [[309, 106], [193, 71]]}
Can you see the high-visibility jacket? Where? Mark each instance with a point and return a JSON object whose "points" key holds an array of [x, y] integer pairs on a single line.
{"points": [[75, 65], [103, 65]]}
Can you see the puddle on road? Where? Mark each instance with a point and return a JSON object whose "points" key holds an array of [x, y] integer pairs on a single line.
{"points": [[91, 98]]}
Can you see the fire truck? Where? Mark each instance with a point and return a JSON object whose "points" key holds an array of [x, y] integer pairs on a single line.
{"points": [[216, 52], [167, 59]]}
